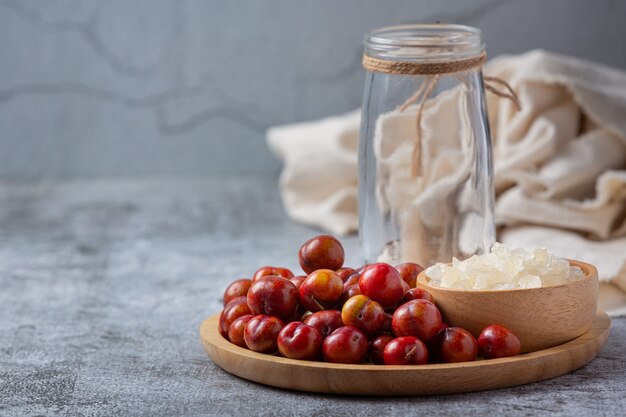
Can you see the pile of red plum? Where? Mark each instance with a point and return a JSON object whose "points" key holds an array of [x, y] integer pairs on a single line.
{"points": [[343, 315]]}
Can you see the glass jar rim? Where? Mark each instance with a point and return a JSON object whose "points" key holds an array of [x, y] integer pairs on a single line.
{"points": [[424, 42]]}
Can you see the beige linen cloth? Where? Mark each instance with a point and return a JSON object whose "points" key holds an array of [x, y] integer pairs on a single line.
{"points": [[559, 163]]}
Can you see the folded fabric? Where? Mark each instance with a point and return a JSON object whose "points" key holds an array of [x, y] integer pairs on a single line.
{"points": [[558, 163], [318, 184]]}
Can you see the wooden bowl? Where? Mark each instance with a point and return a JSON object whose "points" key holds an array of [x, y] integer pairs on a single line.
{"points": [[540, 317]]}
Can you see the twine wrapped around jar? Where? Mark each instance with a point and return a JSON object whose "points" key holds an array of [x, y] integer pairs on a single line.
{"points": [[432, 71]]}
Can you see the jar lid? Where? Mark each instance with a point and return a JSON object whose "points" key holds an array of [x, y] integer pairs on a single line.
{"points": [[424, 43]]}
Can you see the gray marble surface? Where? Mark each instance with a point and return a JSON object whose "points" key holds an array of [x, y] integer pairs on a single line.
{"points": [[103, 285]]}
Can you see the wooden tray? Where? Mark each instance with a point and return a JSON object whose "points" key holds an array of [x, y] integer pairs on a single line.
{"points": [[382, 380]]}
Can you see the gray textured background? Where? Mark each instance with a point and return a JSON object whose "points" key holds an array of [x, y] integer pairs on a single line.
{"points": [[93, 88], [104, 283]]}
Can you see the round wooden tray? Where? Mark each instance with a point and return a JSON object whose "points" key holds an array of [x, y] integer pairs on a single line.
{"points": [[411, 380]]}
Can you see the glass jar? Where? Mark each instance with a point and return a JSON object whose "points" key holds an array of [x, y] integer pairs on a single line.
{"points": [[425, 172]]}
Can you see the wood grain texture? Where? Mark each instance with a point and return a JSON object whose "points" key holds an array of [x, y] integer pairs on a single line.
{"points": [[540, 317], [382, 380]]}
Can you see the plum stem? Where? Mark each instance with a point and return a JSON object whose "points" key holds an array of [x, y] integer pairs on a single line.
{"points": [[321, 307], [410, 352]]}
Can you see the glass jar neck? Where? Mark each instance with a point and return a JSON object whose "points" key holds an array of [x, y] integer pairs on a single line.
{"points": [[424, 43]]}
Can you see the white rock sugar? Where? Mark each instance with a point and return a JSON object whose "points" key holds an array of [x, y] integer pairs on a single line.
{"points": [[504, 268]]}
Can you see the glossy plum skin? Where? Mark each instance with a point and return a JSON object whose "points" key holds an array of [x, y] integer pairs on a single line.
{"points": [[230, 313], [297, 280], [236, 289], [235, 331], [300, 341], [405, 350], [238, 300], [347, 315], [296, 316], [321, 290], [349, 292], [454, 344], [405, 288], [419, 318], [364, 314], [321, 252], [347, 344], [377, 348], [382, 283], [409, 272], [345, 273], [497, 341], [261, 333], [417, 294], [271, 271], [386, 328], [326, 321], [351, 280], [273, 296]]}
